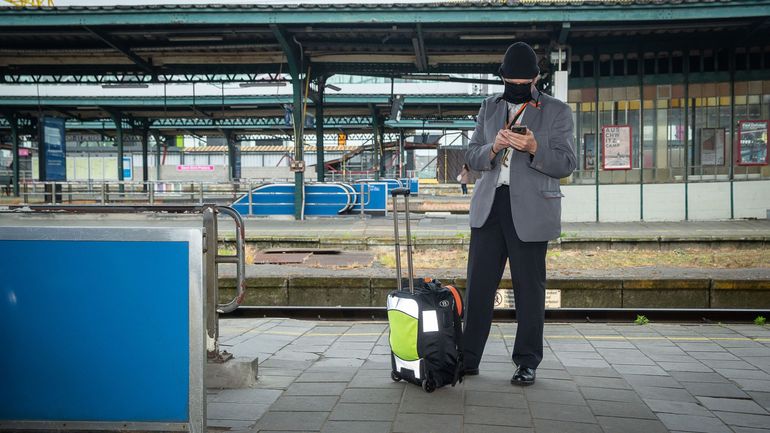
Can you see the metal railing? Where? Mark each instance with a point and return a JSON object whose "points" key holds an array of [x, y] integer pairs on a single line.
{"points": [[152, 192]]}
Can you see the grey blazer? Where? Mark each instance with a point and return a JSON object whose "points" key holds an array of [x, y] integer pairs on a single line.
{"points": [[535, 192]]}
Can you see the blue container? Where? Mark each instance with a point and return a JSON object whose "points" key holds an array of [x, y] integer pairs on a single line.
{"points": [[109, 332]]}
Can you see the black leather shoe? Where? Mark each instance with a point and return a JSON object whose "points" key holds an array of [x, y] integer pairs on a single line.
{"points": [[524, 376], [471, 371]]}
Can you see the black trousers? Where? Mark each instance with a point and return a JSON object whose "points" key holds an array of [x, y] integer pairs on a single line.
{"points": [[491, 245], [464, 187]]}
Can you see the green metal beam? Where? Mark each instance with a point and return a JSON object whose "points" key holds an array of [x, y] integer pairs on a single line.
{"points": [[319, 128], [699, 77], [294, 59], [104, 37], [266, 124], [379, 14], [187, 101], [431, 124], [564, 33]]}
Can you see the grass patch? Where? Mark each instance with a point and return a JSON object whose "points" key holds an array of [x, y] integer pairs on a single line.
{"points": [[760, 321], [457, 258], [567, 260], [641, 320]]}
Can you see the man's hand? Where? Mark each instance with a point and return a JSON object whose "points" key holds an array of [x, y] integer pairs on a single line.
{"points": [[502, 141], [524, 143]]}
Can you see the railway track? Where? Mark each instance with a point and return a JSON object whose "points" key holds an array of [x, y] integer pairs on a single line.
{"points": [[509, 314]]}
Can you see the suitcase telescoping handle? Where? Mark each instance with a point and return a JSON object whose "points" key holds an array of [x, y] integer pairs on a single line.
{"points": [[395, 193]]}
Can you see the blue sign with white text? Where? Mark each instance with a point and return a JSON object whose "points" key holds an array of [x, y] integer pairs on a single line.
{"points": [[128, 168], [53, 148]]}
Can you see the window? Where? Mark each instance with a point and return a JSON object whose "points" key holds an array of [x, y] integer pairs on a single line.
{"points": [[649, 66], [723, 60], [617, 66], [676, 64], [695, 59], [633, 66], [740, 61]]}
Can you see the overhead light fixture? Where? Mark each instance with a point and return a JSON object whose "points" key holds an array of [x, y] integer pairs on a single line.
{"points": [[87, 108], [125, 86], [263, 84], [195, 38], [486, 37], [247, 107], [426, 77], [333, 87]]}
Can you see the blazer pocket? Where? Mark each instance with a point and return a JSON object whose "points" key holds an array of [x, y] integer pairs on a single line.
{"points": [[552, 194]]}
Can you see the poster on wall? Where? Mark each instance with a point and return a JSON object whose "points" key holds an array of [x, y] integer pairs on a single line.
{"points": [[616, 143], [589, 143], [712, 145], [752, 142]]}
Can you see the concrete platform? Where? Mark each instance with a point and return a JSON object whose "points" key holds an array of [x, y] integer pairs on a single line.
{"points": [[334, 377]]}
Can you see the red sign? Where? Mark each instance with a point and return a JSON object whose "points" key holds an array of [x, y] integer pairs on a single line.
{"points": [[194, 168]]}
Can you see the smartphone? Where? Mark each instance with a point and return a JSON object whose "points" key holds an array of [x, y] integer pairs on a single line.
{"points": [[519, 129]]}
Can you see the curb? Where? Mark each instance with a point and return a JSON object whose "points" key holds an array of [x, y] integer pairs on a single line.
{"points": [[574, 293]]}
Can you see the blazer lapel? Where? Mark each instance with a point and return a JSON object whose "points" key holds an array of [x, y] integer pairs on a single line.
{"points": [[498, 116], [532, 113]]}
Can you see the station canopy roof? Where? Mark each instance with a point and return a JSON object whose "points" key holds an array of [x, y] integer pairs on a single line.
{"points": [[166, 42]]}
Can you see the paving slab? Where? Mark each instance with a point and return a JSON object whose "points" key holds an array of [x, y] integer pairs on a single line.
{"points": [[733, 405], [495, 416], [364, 412], [621, 409], [338, 392], [631, 425]]}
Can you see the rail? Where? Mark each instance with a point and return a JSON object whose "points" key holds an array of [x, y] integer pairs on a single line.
{"points": [[627, 315], [239, 259], [152, 192]]}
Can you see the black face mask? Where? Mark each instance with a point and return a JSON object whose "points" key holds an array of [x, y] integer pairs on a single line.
{"points": [[517, 93]]}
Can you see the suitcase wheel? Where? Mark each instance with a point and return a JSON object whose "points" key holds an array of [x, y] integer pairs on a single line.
{"points": [[428, 386], [395, 376]]}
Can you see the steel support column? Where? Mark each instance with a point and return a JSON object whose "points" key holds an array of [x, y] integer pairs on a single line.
{"points": [[294, 61], [13, 121], [686, 70], [401, 171], [731, 175], [117, 119], [376, 141], [598, 130], [319, 129], [230, 155], [640, 70], [145, 132], [158, 142], [383, 160]]}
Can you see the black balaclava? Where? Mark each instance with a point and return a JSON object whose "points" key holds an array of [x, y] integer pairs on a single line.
{"points": [[519, 62]]}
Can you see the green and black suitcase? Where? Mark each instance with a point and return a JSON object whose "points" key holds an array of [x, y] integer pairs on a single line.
{"points": [[425, 322]]}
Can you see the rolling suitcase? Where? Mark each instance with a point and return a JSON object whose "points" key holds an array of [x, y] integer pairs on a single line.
{"points": [[425, 322]]}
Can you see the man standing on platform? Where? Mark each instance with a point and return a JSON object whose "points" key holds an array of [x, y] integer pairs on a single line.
{"points": [[522, 145]]}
